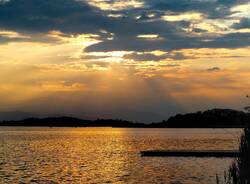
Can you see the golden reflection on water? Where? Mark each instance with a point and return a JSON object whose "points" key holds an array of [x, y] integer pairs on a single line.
{"points": [[106, 155]]}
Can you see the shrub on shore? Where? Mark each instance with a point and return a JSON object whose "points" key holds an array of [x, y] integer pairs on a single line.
{"points": [[239, 171]]}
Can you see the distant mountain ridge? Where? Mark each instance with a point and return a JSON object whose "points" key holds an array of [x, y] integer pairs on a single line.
{"points": [[215, 118]]}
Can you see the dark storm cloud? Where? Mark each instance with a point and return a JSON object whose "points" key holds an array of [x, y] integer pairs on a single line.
{"points": [[173, 37], [175, 42], [142, 45], [68, 16], [43, 16], [78, 17], [74, 17]]}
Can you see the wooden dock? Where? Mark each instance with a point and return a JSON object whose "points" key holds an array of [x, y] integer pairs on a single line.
{"points": [[190, 153]]}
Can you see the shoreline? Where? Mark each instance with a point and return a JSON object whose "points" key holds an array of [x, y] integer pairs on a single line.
{"points": [[39, 126]]}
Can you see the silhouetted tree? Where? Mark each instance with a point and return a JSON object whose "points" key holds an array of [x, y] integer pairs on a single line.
{"points": [[247, 108]]}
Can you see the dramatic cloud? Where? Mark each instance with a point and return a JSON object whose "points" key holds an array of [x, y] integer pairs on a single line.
{"points": [[171, 21], [68, 16]]}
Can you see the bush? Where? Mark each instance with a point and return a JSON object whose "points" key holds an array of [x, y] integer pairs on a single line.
{"points": [[239, 171]]}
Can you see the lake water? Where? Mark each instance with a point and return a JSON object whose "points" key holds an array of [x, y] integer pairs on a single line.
{"points": [[110, 155]]}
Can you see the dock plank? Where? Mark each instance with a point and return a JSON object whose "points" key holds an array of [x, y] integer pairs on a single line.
{"points": [[191, 153]]}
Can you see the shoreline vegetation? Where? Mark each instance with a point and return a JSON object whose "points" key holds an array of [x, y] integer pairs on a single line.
{"points": [[215, 118], [238, 172]]}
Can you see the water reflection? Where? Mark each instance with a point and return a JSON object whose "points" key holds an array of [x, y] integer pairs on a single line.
{"points": [[105, 155]]}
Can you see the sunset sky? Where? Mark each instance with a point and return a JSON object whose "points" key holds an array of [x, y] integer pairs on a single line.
{"points": [[139, 60]]}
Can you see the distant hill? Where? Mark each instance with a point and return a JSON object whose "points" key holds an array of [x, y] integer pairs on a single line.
{"points": [[215, 118], [71, 122], [211, 118]]}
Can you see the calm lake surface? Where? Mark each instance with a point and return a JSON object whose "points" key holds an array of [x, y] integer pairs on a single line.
{"points": [[110, 155]]}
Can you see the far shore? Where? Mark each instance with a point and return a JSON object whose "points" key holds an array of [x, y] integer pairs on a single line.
{"points": [[215, 118], [126, 127]]}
